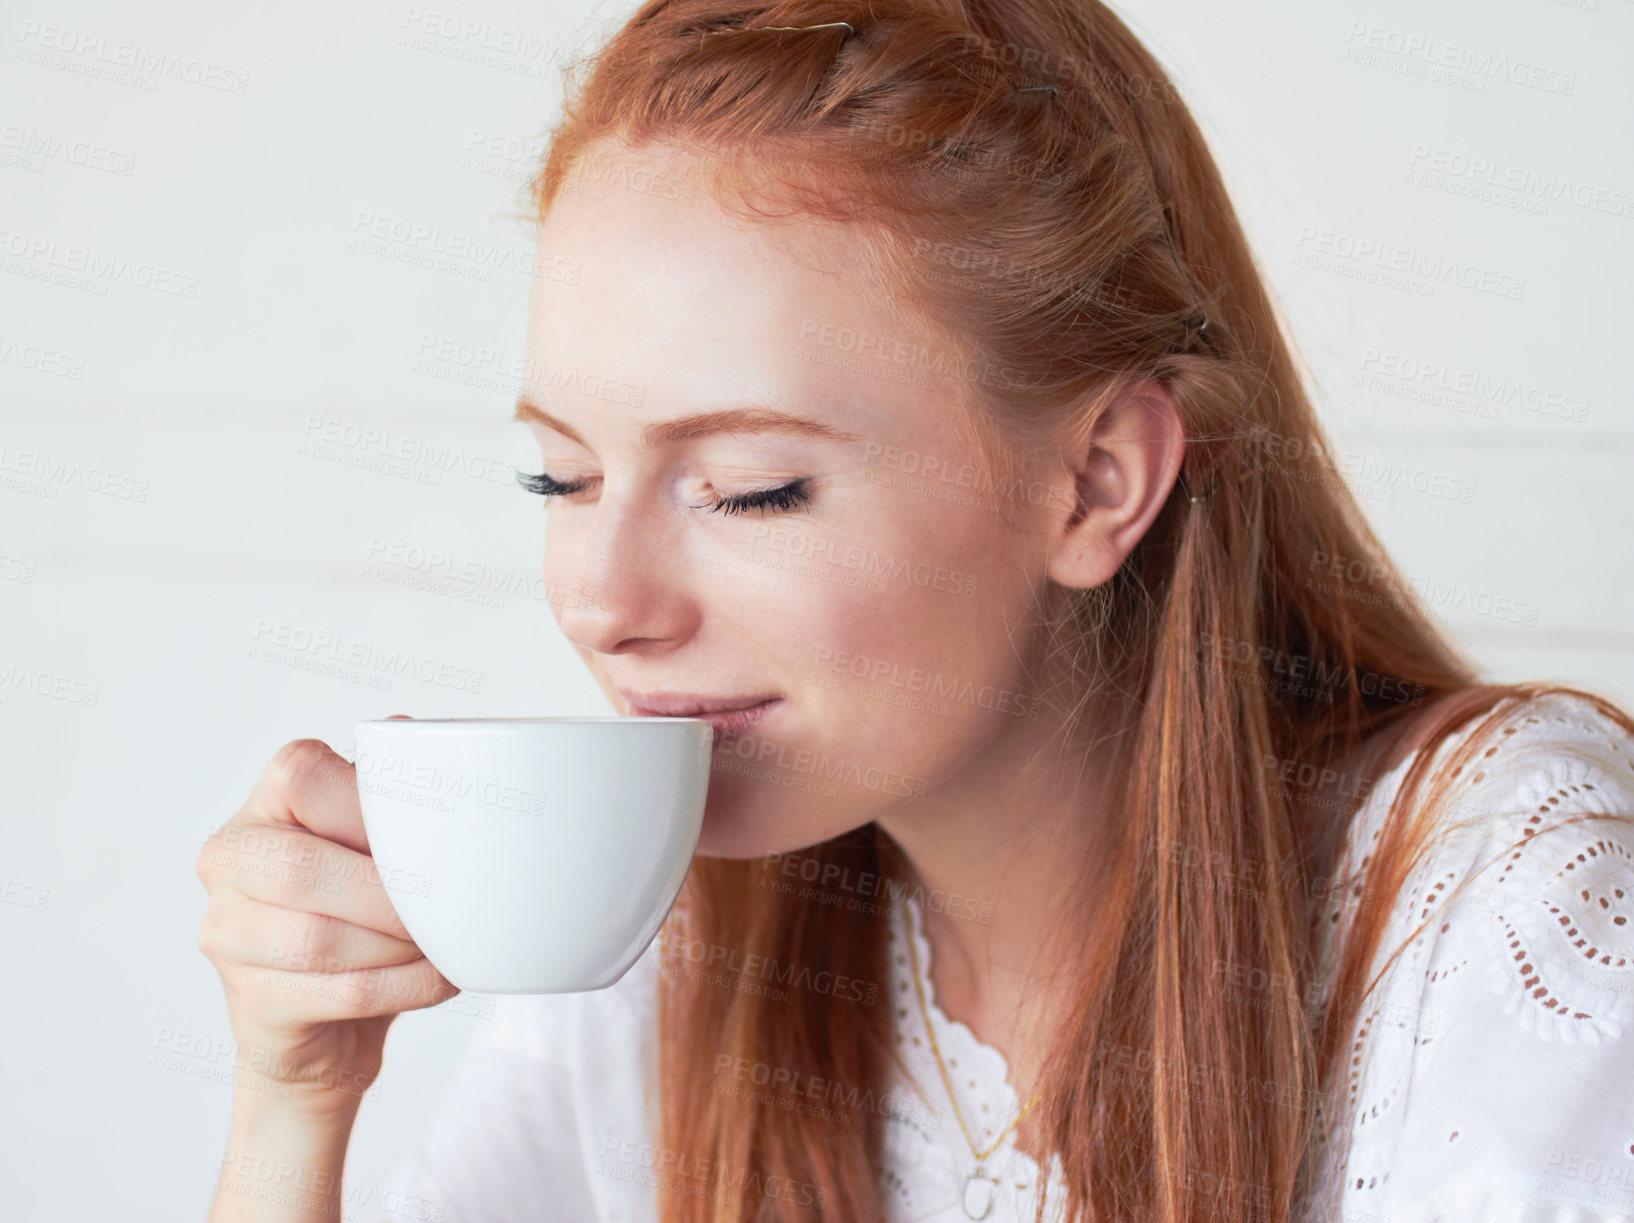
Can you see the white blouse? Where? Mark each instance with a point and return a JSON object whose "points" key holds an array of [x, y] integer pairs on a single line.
{"points": [[1492, 1074]]}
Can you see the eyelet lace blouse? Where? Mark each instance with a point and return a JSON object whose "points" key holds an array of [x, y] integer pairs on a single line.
{"points": [[1491, 1074]]}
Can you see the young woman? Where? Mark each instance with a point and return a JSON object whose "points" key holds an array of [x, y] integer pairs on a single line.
{"points": [[1103, 830]]}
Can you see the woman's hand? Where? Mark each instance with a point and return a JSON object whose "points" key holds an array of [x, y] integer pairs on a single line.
{"points": [[313, 959]]}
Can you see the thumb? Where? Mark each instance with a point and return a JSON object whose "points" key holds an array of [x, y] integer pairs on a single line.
{"points": [[395, 716]]}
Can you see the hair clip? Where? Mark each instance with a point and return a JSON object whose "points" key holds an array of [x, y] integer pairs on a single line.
{"points": [[1206, 495], [850, 30], [1196, 333], [827, 25]]}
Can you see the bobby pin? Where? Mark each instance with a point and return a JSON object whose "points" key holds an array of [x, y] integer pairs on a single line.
{"points": [[827, 25], [849, 31]]}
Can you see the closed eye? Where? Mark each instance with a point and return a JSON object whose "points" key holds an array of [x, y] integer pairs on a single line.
{"points": [[792, 496], [548, 486], [785, 498]]}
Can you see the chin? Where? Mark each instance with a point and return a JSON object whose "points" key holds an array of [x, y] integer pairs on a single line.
{"points": [[730, 831], [757, 821]]}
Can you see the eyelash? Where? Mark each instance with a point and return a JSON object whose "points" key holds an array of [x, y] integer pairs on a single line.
{"points": [[792, 496]]}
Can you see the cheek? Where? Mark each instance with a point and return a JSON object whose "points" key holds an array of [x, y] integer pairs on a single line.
{"points": [[907, 671]]}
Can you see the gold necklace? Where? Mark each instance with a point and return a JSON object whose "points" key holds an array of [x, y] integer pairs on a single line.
{"points": [[978, 1191]]}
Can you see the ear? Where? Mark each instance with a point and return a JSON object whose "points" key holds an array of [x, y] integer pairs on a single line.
{"points": [[1117, 482]]}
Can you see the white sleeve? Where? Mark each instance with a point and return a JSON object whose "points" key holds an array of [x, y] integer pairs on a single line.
{"points": [[1499, 1081], [504, 1143]]}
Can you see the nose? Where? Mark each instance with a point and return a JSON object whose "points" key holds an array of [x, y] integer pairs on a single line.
{"points": [[624, 587]]}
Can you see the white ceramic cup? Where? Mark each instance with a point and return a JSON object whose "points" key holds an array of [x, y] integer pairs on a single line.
{"points": [[533, 855]]}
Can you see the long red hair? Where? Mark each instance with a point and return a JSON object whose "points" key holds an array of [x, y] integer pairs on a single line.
{"points": [[1094, 245]]}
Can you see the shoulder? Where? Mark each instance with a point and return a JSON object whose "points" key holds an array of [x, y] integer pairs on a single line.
{"points": [[1538, 862], [1532, 844], [1517, 772], [1493, 1062]]}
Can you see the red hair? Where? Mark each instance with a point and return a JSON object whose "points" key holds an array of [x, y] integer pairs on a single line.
{"points": [[1096, 247]]}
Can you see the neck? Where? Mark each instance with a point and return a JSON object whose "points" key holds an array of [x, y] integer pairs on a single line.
{"points": [[1000, 855]]}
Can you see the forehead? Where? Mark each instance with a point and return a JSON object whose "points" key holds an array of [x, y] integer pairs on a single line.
{"points": [[643, 276], [657, 204]]}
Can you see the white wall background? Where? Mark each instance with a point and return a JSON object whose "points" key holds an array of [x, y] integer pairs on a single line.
{"points": [[201, 403]]}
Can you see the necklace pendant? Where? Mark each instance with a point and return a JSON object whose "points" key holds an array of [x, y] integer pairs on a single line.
{"points": [[978, 1198]]}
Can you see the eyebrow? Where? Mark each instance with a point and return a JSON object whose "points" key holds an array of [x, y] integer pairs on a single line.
{"points": [[701, 424]]}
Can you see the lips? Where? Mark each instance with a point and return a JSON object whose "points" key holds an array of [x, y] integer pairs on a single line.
{"points": [[728, 715]]}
